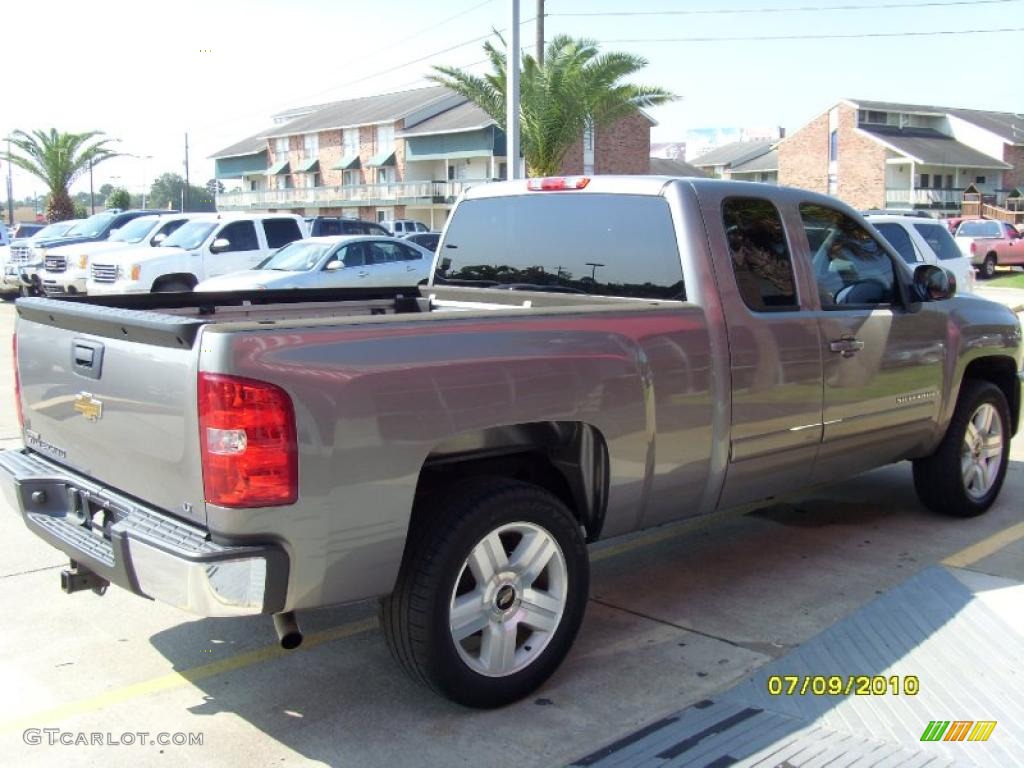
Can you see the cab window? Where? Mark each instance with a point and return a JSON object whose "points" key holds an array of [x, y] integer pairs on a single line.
{"points": [[759, 254], [241, 235]]}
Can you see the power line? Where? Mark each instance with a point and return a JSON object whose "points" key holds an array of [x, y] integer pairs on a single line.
{"points": [[791, 9], [815, 36]]}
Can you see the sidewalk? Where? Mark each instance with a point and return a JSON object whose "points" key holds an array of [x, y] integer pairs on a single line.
{"points": [[1011, 297]]}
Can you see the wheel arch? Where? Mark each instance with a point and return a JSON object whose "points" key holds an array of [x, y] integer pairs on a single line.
{"points": [[567, 458], [1001, 371], [185, 277]]}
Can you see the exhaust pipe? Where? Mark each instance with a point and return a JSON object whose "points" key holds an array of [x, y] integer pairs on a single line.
{"points": [[288, 632]]}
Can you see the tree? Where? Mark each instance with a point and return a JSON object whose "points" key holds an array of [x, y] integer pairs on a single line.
{"points": [[215, 187], [575, 87], [119, 198], [166, 189], [106, 189], [81, 211], [57, 159]]}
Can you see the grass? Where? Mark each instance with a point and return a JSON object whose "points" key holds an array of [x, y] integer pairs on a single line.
{"points": [[1013, 280]]}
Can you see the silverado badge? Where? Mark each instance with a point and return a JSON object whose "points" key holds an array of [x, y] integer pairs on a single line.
{"points": [[89, 406]]}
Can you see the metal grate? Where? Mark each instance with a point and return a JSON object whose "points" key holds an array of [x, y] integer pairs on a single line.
{"points": [[104, 273], [56, 264]]}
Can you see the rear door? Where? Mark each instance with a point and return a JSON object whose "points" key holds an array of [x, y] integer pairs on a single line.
{"points": [[882, 362], [774, 345]]}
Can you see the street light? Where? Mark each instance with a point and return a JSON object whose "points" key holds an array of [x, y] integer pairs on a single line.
{"points": [[143, 158]]}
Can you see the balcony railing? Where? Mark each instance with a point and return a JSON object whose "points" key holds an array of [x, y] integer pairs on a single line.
{"points": [[360, 194], [925, 198]]}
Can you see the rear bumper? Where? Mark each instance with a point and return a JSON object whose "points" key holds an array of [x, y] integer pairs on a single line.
{"points": [[139, 548]]}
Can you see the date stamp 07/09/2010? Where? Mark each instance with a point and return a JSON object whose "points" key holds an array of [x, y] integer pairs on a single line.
{"points": [[843, 685]]}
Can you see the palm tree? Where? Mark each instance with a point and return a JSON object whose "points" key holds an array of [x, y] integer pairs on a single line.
{"points": [[57, 159], [576, 87]]}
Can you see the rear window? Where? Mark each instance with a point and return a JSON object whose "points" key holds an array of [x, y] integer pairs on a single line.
{"points": [[979, 229], [609, 245], [939, 240], [899, 239]]}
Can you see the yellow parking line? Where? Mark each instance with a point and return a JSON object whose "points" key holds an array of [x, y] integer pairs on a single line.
{"points": [[985, 547], [47, 717]]}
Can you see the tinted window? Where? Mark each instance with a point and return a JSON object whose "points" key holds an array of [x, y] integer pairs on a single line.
{"points": [[759, 255], [899, 239], [241, 235], [171, 227], [386, 253], [612, 245], [409, 254], [281, 231], [850, 266], [353, 255], [939, 240]]}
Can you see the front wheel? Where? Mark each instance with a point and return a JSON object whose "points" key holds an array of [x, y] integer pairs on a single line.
{"points": [[965, 474], [491, 592]]}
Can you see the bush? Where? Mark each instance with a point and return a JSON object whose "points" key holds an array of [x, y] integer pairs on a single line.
{"points": [[119, 198]]}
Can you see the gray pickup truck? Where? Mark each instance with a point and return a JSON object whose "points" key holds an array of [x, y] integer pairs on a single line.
{"points": [[591, 357]]}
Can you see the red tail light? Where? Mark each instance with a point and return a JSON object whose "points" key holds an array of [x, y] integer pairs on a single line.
{"points": [[557, 183], [247, 438], [974, 246], [17, 381]]}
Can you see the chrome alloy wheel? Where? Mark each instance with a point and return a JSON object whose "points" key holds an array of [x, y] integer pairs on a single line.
{"points": [[981, 455], [508, 599]]}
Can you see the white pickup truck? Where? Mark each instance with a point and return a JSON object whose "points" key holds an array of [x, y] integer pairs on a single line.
{"points": [[207, 246]]}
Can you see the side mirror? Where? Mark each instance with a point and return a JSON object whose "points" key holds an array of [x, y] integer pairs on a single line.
{"points": [[220, 244], [333, 266], [159, 239], [932, 283]]}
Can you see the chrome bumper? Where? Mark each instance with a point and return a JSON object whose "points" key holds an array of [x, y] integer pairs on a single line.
{"points": [[139, 548]]}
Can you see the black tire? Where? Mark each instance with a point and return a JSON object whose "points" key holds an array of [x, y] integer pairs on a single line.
{"points": [[415, 616], [172, 286], [939, 478], [988, 267]]}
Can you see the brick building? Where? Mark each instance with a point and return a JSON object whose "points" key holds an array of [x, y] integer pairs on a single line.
{"points": [[394, 156], [874, 154]]}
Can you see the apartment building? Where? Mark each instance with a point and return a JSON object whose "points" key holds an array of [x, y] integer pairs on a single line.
{"points": [[394, 156], [875, 154]]}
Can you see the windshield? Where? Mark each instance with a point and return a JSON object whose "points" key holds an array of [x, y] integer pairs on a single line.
{"points": [[135, 230], [54, 230], [92, 226], [190, 236], [297, 257]]}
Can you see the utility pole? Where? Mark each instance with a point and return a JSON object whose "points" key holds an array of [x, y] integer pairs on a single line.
{"points": [[185, 192], [92, 196], [10, 187], [540, 33], [512, 95]]}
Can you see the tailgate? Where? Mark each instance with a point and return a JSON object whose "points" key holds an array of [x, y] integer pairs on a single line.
{"points": [[112, 394]]}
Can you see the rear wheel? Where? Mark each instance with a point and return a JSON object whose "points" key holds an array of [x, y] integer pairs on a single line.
{"points": [[988, 267], [964, 476], [491, 592]]}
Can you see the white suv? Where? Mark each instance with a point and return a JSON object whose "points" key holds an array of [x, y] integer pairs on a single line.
{"points": [[926, 241], [206, 246]]}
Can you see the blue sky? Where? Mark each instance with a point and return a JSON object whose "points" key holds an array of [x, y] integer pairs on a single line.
{"points": [[219, 69]]}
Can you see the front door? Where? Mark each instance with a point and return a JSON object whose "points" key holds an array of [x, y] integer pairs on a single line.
{"points": [[883, 357], [242, 252], [774, 351]]}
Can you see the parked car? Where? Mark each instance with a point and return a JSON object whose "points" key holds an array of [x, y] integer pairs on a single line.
{"points": [[428, 240], [926, 241], [399, 227], [454, 449], [206, 246], [988, 242], [66, 268], [27, 229], [328, 226], [349, 261], [20, 272]]}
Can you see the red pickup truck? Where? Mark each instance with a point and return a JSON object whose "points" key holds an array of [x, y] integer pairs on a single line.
{"points": [[987, 242]]}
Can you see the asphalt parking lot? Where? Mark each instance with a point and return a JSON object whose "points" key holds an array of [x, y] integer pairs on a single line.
{"points": [[677, 615]]}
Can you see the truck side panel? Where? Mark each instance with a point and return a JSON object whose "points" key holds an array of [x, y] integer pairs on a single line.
{"points": [[371, 403]]}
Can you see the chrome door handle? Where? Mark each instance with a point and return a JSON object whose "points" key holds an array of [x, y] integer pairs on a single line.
{"points": [[847, 347], [410, 269], [364, 274]]}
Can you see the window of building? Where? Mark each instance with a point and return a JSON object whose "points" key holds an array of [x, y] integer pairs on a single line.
{"points": [[509, 239], [310, 145], [760, 256], [281, 146], [979, 179], [872, 116], [351, 178], [451, 172], [833, 146], [385, 138], [284, 181], [588, 149], [851, 268], [833, 184], [923, 184], [281, 231], [385, 175], [350, 142], [241, 235], [949, 181]]}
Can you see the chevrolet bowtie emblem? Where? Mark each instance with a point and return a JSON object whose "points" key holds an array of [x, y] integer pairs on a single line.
{"points": [[89, 406]]}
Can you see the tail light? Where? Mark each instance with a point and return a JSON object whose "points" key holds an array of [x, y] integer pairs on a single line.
{"points": [[557, 183], [247, 439], [17, 381], [974, 247]]}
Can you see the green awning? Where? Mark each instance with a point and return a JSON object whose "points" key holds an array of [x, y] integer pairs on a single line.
{"points": [[384, 158], [312, 165], [281, 166], [347, 163]]}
